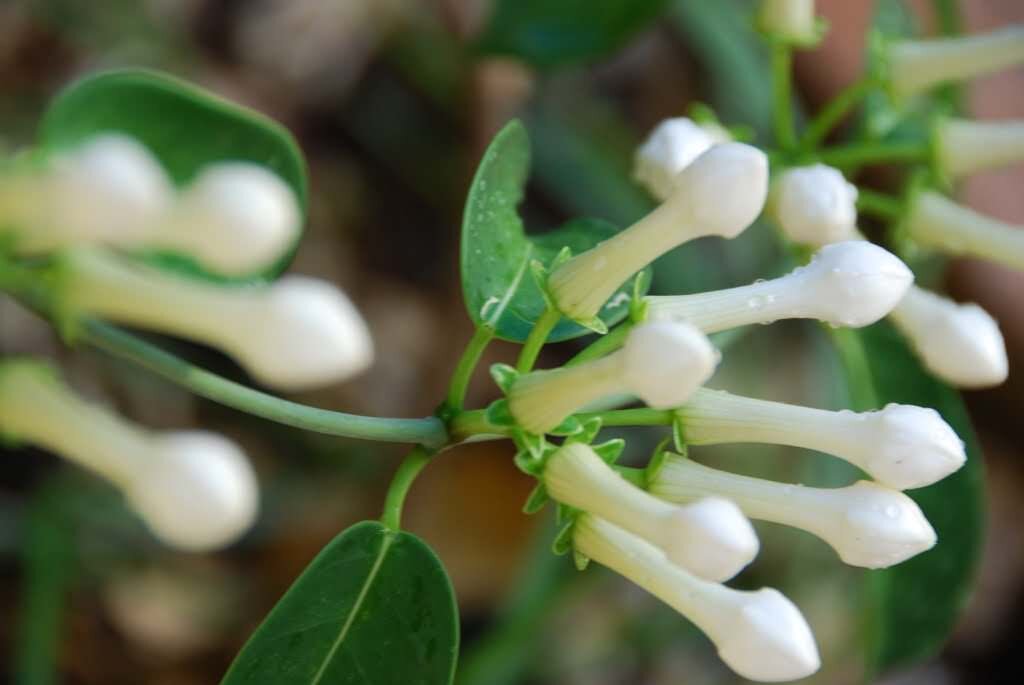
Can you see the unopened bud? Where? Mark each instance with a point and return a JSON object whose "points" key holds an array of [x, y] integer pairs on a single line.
{"points": [[869, 525], [720, 193], [792, 21], [670, 148], [853, 283], [815, 205], [661, 362]]}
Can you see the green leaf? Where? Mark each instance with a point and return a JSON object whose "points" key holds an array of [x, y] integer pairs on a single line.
{"points": [[913, 607], [497, 254], [185, 127], [549, 34], [375, 606]]}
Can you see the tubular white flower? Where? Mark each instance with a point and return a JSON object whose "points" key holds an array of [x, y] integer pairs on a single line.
{"points": [[790, 20], [918, 65], [661, 362], [869, 525], [760, 635], [670, 148], [853, 283], [294, 334], [720, 193], [901, 446], [964, 146], [815, 205], [195, 490], [711, 538], [959, 343], [235, 217], [938, 222], [109, 190]]}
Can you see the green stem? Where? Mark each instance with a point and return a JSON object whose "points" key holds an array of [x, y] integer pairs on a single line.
{"points": [[631, 417], [834, 112], [429, 431], [469, 423], [602, 346], [538, 336], [782, 95], [467, 364], [859, 154], [854, 357], [879, 204], [400, 484]]}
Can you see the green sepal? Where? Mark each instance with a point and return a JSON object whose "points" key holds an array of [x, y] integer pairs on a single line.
{"points": [[498, 413], [571, 426], [594, 324], [580, 561], [537, 499], [588, 431], [562, 544], [565, 513], [610, 451], [504, 376], [637, 304], [678, 434], [657, 460], [528, 464], [539, 273]]}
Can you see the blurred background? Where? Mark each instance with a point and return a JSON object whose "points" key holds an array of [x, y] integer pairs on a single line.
{"points": [[393, 103]]}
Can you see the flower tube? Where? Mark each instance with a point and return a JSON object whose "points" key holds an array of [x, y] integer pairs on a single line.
{"points": [[294, 334], [853, 283], [901, 446], [720, 193], [710, 538], [919, 65], [867, 524], [937, 222], [760, 635], [963, 146], [195, 490], [959, 343], [661, 362]]}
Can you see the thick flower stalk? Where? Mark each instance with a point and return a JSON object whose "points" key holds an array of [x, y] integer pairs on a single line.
{"points": [[792, 21], [662, 363], [937, 222], [720, 193], [234, 218], [868, 525], [814, 205], [915, 66], [710, 538], [195, 490], [959, 343], [963, 146], [760, 635], [853, 283], [671, 147], [296, 333], [901, 446]]}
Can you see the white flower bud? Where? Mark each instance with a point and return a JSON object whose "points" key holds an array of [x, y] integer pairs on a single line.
{"points": [[901, 446], [670, 148], [195, 490], [720, 193], [853, 283], [919, 65], [661, 362], [294, 334], [790, 20], [815, 205], [964, 147], [760, 635], [711, 538], [869, 525], [959, 343], [235, 217], [937, 222], [109, 190]]}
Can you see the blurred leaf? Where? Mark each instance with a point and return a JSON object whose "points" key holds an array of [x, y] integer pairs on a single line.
{"points": [[375, 606], [496, 253], [550, 34], [185, 127], [913, 607]]}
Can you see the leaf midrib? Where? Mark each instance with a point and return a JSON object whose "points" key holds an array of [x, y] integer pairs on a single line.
{"points": [[388, 540]]}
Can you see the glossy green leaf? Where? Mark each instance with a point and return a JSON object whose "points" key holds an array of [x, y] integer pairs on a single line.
{"points": [[375, 606], [184, 126], [549, 34], [496, 253], [913, 607]]}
